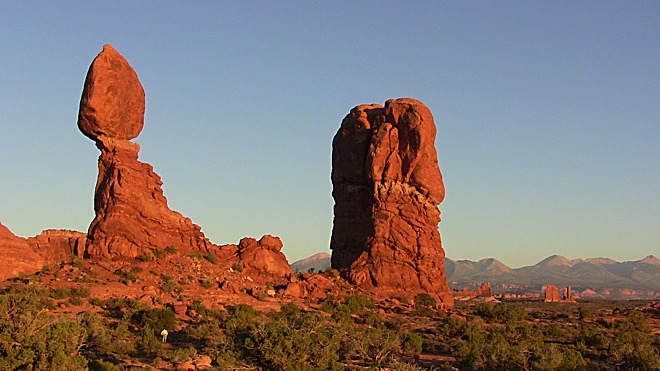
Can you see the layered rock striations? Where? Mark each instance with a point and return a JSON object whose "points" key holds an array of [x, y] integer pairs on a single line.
{"points": [[387, 187], [257, 257], [17, 256], [58, 245], [132, 216]]}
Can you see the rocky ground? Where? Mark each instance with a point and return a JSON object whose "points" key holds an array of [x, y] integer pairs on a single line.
{"points": [[206, 299]]}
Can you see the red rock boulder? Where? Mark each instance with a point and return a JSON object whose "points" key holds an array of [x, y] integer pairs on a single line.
{"points": [[552, 294], [112, 102], [263, 256], [387, 187]]}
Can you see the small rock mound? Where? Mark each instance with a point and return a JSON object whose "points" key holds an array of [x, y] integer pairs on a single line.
{"points": [[58, 245]]}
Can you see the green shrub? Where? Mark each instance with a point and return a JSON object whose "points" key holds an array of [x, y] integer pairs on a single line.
{"points": [[127, 276], [211, 258], [206, 284], [291, 341], [358, 304], [76, 261], [290, 310], [593, 336], [60, 293], [101, 365], [500, 312], [121, 330], [238, 267], [412, 345], [148, 341], [158, 253], [146, 257], [158, 319], [171, 250], [75, 300], [182, 354], [583, 312], [517, 346], [44, 341], [555, 330], [371, 346], [169, 286], [114, 304], [196, 255], [98, 335], [632, 346], [424, 300]]}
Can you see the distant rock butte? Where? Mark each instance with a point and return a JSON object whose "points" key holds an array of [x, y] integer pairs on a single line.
{"points": [[551, 293], [387, 187]]}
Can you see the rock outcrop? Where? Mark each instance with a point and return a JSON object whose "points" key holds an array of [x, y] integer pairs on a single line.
{"points": [[58, 245], [132, 216], [484, 290], [262, 257], [387, 187], [551, 294], [17, 256]]}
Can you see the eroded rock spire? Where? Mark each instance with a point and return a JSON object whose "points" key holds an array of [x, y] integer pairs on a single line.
{"points": [[387, 187]]}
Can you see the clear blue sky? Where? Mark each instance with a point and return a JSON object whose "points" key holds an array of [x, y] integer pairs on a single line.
{"points": [[548, 115]]}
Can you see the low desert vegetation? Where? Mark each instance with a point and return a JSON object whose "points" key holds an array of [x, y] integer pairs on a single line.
{"points": [[349, 333]]}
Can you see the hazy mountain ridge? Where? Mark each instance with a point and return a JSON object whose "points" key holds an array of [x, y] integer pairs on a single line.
{"points": [[593, 273], [319, 262]]}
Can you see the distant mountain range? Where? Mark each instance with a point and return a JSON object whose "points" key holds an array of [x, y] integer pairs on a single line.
{"points": [[591, 273], [319, 262]]}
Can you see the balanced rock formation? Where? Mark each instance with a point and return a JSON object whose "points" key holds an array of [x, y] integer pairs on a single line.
{"points": [[387, 187], [132, 216]]}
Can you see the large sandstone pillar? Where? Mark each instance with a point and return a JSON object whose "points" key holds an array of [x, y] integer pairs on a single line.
{"points": [[387, 187]]}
